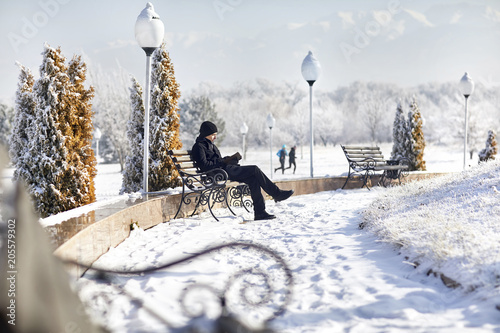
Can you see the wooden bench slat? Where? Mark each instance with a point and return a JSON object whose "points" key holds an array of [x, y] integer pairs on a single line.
{"points": [[183, 158], [360, 148], [391, 167], [186, 165], [360, 156], [362, 151], [177, 152]]}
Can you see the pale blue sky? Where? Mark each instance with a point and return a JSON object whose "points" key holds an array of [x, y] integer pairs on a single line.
{"points": [[235, 40]]}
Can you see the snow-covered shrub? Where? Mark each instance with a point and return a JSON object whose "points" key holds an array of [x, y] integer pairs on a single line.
{"points": [[23, 117], [164, 120], [399, 134], [193, 111], [6, 117], [489, 152], [417, 140], [132, 175]]}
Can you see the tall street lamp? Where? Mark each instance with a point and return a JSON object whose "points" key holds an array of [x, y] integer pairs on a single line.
{"points": [[244, 131], [97, 137], [149, 31], [311, 69], [270, 123], [466, 88]]}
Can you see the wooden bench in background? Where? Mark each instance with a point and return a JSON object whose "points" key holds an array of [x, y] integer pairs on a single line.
{"points": [[207, 188], [367, 161]]}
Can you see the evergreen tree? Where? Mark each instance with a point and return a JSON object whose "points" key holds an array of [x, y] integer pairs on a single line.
{"points": [[194, 111], [23, 118], [81, 159], [132, 175], [399, 134], [47, 151], [417, 141], [164, 122], [6, 119], [59, 157], [490, 150]]}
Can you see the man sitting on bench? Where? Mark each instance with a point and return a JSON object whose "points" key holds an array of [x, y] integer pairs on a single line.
{"points": [[207, 157]]}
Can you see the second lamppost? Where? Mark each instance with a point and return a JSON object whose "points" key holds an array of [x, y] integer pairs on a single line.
{"points": [[270, 123], [97, 137], [149, 32], [466, 88], [311, 70], [244, 131]]}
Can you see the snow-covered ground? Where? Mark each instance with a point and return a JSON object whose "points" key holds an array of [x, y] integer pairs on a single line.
{"points": [[346, 279]]}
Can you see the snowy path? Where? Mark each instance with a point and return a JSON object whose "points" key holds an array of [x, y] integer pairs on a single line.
{"points": [[345, 281]]}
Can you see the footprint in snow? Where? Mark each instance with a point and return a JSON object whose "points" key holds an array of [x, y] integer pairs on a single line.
{"points": [[316, 278], [296, 204], [334, 275], [341, 257]]}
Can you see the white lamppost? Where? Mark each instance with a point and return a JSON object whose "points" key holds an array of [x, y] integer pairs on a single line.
{"points": [[311, 69], [149, 32], [244, 131], [270, 123], [466, 88], [97, 137]]}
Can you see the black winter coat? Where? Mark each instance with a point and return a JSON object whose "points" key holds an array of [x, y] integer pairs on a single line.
{"points": [[206, 155]]}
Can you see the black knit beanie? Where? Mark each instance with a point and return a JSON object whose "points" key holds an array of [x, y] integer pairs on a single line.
{"points": [[207, 128]]}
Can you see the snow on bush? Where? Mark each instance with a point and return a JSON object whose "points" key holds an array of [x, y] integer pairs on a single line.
{"points": [[450, 224]]}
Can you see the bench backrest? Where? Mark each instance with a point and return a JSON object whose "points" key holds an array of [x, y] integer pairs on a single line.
{"points": [[358, 153], [183, 161]]}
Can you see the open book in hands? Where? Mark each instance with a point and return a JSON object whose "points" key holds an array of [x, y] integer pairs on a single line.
{"points": [[233, 159]]}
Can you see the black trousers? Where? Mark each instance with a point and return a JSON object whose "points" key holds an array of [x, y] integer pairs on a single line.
{"points": [[294, 165], [256, 180]]}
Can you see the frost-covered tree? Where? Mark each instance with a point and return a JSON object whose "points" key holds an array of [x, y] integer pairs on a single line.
{"points": [[23, 118], [399, 134], [164, 122], [490, 150], [132, 175], [417, 140], [6, 119], [59, 157], [78, 140], [195, 110], [47, 153], [373, 110], [112, 111]]}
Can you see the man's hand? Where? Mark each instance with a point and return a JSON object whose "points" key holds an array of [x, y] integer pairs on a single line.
{"points": [[233, 159], [237, 156]]}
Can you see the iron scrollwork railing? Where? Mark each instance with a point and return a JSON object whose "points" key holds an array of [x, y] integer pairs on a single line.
{"points": [[239, 197], [207, 188], [365, 169], [250, 294], [396, 173]]}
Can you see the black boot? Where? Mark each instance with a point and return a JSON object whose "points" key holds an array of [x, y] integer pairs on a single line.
{"points": [[264, 216], [283, 195]]}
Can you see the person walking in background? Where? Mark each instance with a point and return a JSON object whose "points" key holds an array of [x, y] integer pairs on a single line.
{"points": [[206, 156], [282, 154], [291, 159]]}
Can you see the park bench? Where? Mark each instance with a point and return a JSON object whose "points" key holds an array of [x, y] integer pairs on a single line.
{"points": [[207, 188], [365, 162]]}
